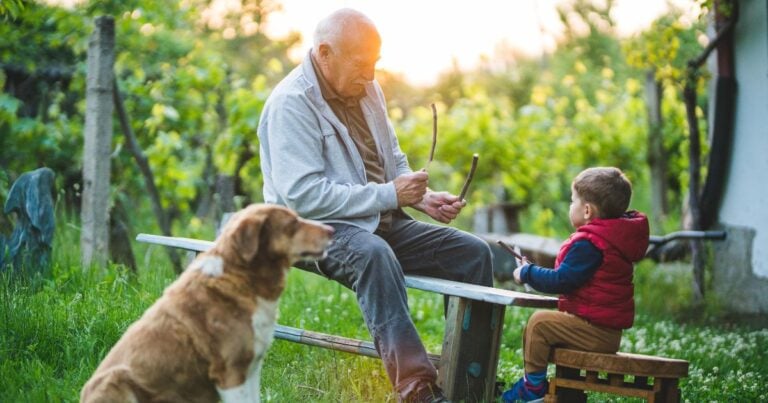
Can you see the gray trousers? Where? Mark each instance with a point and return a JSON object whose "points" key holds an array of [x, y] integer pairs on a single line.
{"points": [[373, 266]]}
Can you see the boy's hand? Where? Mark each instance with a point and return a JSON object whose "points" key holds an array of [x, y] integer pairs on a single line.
{"points": [[516, 274]]}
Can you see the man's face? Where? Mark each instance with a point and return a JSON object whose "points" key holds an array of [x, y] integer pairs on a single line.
{"points": [[349, 68]]}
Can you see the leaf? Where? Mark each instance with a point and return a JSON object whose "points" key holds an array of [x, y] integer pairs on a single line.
{"points": [[9, 104]]}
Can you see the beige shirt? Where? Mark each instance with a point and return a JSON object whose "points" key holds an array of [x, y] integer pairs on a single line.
{"points": [[350, 113]]}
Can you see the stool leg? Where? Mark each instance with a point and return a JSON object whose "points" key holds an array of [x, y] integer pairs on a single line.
{"points": [[551, 396], [565, 394], [670, 391]]}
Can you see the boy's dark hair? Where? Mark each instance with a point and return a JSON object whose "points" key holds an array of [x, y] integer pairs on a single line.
{"points": [[605, 187]]}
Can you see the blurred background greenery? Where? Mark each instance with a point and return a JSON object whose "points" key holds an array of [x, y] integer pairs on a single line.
{"points": [[194, 96]]}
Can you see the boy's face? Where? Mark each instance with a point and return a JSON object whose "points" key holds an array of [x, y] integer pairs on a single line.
{"points": [[579, 212]]}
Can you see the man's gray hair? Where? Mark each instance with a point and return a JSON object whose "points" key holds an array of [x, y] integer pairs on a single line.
{"points": [[333, 28]]}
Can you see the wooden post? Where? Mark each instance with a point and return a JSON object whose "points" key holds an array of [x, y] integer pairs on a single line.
{"points": [[467, 370], [94, 236]]}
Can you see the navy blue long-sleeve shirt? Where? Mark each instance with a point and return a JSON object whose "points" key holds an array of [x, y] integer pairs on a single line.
{"points": [[577, 267]]}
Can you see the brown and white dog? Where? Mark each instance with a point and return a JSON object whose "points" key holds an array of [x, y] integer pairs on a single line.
{"points": [[206, 337]]}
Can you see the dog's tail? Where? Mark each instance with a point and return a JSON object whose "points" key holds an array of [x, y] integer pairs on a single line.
{"points": [[113, 385]]}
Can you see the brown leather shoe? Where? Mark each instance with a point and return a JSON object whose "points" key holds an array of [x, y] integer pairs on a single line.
{"points": [[427, 393]]}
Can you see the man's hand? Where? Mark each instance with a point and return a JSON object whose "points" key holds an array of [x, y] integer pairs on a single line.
{"points": [[441, 206], [410, 188]]}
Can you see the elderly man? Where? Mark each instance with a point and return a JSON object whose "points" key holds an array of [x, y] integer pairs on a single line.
{"points": [[329, 151]]}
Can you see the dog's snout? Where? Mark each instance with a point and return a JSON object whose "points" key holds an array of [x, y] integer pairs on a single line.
{"points": [[328, 230], [324, 227]]}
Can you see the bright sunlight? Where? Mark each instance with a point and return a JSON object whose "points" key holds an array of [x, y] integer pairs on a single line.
{"points": [[423, 38]]}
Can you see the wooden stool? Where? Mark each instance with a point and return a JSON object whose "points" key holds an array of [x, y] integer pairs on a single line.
{"points": [[650, 377]]}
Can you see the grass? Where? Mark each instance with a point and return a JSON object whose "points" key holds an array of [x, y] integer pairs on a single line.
{"points": [[55, 330]]}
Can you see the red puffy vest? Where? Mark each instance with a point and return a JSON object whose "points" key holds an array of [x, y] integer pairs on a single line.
{"points": [[607, 299]]}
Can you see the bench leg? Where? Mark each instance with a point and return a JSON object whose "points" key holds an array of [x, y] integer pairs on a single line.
{"points": [[467, 370]]}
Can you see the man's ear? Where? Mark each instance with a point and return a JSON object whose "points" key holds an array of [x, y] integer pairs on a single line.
{"points": [[323, 51], [244, 241]]}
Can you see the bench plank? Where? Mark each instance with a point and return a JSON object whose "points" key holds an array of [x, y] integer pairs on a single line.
{"points": [[622, 363], [190, 244], [360, 347], [454, 288], [480, 293], [606, 388]]}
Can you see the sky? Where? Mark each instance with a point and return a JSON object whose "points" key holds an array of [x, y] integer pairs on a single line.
{"points": [[421, 38]]}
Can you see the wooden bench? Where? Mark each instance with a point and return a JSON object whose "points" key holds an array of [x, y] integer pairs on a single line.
{"points": [[652, 378], [474, 323]]}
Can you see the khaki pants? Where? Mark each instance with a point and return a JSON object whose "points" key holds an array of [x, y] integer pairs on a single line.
{"points": [[547, 329]]}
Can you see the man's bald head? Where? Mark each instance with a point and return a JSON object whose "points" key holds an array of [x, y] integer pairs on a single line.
{"points": [[343, 27], [346, 50]]}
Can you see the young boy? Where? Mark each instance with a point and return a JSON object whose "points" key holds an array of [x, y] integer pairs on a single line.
{"points": [[592, 274]]}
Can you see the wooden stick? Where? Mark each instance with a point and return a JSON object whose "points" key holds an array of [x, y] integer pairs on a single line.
{"points": [[434, 136], [519, 259], [471, 175], [511, 250]]}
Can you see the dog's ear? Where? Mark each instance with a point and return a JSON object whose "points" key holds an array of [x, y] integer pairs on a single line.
{"points": [[245, 237]]}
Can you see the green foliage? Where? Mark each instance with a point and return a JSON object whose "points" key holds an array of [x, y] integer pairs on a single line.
{"points": [[537, 123], [9, 9], [192, 97], [192, 108], [529, 156], [510, 75], [36, 112], [665, 47], [589, 44], [194, 88]]}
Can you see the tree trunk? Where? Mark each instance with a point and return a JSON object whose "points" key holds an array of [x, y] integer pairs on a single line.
{"points": [[225, 189], [657, 155], [94, 236], [694, 170], [120, 250], [149, 178], [204, 203]]}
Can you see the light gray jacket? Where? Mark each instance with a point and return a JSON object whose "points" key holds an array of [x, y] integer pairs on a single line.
{"points": [[311, 164]]}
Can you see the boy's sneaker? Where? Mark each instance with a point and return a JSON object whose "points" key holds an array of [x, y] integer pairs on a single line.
{"points": [[523, 391]]}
